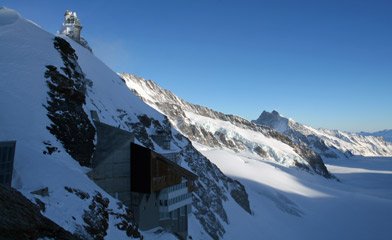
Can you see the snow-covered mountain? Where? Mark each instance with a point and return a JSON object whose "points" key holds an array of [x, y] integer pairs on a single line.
{"points": [[48, 86], [286, 202], [254, 183], [218, 130], [328, 143], [386, 134]]}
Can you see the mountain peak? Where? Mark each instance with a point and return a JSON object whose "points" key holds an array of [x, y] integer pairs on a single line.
{"points": [[273, 120], [274, 112], [327, 142]]}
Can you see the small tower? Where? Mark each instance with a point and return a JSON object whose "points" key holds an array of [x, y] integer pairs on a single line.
{"points": [[71, 26]]}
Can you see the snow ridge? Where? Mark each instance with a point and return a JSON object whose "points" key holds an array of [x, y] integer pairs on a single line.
{"points": [[218, 130], [328, 143], [386, 134]]}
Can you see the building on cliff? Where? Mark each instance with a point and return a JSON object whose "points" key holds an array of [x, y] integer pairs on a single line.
{"points": [[157, 190]]}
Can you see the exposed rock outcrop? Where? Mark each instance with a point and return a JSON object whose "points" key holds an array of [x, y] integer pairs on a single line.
{"points": [[66, 97]]}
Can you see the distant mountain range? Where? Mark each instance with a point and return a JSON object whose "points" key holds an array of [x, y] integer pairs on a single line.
{"points": [[386, 134], [328, 143]]}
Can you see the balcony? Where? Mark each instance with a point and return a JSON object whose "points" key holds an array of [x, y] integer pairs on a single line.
{"points": [[175, 203], [174, 197], [173, 191]]}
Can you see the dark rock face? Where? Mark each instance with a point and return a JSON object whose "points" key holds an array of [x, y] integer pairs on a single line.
{"points": [[97, 217], [43, 192], [260, 151], [239, 194], [21, 219], [127, 224], [141, 134], [313, 159], [162, 133], [66, 97], [81, 194]]}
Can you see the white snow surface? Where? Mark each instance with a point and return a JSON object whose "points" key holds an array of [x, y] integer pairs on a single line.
{"points": [[292, 204]]}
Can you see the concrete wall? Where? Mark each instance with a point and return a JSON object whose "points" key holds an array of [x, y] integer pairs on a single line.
{"points": [[7, 153], [177, 222], [111, 161], [146, 210]]}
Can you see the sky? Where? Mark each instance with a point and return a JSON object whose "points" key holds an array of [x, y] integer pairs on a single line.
{"points": [[324, 63]]}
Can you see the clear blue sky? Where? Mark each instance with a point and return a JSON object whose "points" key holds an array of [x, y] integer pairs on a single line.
{"points": [[323, 63]]}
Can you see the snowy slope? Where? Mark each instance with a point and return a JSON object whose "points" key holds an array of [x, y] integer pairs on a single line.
{"points": [[48, 86], [218, 130], [286, 202], [25, 51], [329, 143], [386, 134], [290, 204]]}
